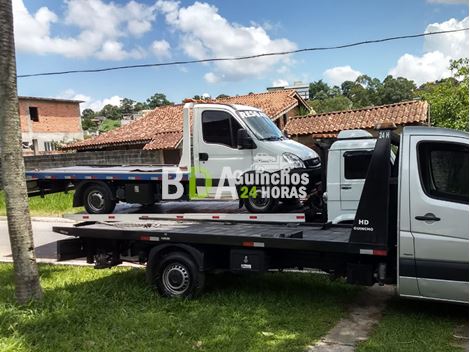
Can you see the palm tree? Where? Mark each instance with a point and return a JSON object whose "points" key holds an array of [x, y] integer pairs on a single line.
{"points": [[27, 286]]}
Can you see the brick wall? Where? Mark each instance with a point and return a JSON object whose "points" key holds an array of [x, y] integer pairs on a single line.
{"points": [[54, 116]]}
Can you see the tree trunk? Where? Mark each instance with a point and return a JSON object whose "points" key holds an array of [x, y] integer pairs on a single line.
{"points": [[13, 171]]}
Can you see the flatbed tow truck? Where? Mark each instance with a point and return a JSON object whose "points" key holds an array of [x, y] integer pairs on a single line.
{"points": [[410, 229]]}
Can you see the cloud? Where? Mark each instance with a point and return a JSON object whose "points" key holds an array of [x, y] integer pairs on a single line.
{"points": [[438, 51], [337, 75], [280, 83], [429, 67], [101, 28], [113, 50], [204, 33], [89, 103], [161, 49], [447, 1], [451, 44]]}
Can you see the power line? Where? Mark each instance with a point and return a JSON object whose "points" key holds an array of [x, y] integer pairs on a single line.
{"points": [[279, 53]]}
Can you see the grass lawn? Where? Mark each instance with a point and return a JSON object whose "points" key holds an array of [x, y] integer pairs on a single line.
{"points": [[417, 326], [51, 205], [115, 310]]}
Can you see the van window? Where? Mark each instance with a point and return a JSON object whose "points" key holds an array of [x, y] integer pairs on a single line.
{"points": [[219, 127], [356, 164], [443, 169]]}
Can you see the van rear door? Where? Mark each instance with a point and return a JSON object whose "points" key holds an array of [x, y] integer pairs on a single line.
{"points": [[438, 191]]}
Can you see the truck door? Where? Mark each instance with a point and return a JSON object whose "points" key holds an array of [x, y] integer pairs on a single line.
{"points": [[439, 215], [217, 147], [354, 167]]}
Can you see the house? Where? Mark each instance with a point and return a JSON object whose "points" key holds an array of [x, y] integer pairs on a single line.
{"points": [[326, 126], [162, 128], [300, 87], [49, 121], [128, 118]]}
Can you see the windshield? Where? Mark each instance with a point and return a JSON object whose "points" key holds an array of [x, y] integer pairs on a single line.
{"points": [[261, 125]]}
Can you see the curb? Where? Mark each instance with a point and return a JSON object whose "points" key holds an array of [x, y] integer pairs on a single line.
{"points": [[44, 219], [73, 262]]}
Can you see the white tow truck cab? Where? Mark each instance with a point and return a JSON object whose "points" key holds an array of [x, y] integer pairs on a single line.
{"points": [[348, 161], [242, 139]]}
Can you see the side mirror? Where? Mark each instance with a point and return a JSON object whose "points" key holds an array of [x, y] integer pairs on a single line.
{"points": [[244, 140]]}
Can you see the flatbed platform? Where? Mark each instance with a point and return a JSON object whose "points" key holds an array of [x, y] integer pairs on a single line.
{"points": [[276, 236], [131, 172]]}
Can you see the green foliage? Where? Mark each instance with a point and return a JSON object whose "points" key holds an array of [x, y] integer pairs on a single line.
{"points": [[318, 90], [87, 120], [417, 326], [156, 100], [108, 125], [55, 204], [222, 96], [448, 98], [115, 310], [395, 90], [336, 103], [88, 113], [126, 107], [111, 112]]}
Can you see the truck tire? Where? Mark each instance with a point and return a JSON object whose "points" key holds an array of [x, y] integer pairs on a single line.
{"points": [[176, 275], [98, 199], [260, 205]]}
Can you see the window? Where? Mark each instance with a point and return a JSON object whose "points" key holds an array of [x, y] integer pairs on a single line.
{"points": [[443, 169], [34, 113], [356, 164], [220, 127]]}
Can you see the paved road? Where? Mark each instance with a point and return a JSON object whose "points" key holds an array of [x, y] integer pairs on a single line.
{"points": [[44, 238]]}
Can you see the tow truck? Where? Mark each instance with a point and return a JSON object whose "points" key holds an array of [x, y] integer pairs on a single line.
{"points": [[220, 135], [410, 229]]}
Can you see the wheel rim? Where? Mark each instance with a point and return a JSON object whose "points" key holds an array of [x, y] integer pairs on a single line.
{"points": [[259, 202], [176, 279], [95, 200]]}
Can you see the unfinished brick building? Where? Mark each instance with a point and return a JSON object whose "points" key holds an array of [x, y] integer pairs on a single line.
{"points": [[49, 121]]}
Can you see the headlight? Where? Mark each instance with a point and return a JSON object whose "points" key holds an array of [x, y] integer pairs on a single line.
{"points": [[293, 160]]}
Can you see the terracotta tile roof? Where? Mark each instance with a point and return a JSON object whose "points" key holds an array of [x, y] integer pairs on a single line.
{"points": [[408, 112], [165, 140], [162, 127], [273, 103]]}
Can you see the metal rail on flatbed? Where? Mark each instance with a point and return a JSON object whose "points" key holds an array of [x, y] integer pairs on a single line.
{"points": [[224, 217]]}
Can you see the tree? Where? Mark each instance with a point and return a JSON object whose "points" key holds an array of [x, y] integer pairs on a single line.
{"points": [[27, 285], [87, 120], [223, 96], [318, 90], [127, 106], [158, 99], [111, 112], [448, 98], [139, 106], [394, 90], [337, 103]]}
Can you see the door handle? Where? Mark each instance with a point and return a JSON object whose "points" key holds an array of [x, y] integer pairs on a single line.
{"points": [[346, 187], [203, 156], [427, 217]]}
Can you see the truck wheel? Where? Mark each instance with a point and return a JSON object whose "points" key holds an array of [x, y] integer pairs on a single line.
{"points": [[260, 205], [176, 275], [98, 199]]}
